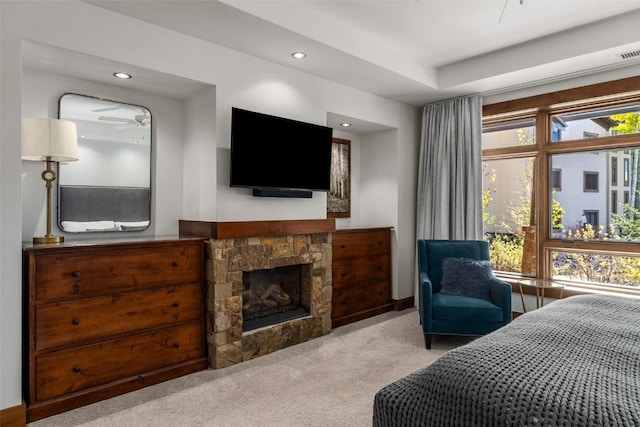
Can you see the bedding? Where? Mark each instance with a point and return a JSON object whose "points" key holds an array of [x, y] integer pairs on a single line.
{"points": [[574, 362], [86, 226]]}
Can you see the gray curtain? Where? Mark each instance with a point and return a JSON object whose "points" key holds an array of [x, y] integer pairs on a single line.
{"points": [[450, 170]]}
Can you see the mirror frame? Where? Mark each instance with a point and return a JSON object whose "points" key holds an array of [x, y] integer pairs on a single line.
{"points": [[111, 199]]}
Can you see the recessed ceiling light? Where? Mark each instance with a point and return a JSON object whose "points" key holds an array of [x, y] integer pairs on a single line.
{"points": [[122, 75], [299, 55], [345, 125]]}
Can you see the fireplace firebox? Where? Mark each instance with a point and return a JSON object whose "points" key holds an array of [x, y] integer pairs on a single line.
{"points": [[275, 295]]}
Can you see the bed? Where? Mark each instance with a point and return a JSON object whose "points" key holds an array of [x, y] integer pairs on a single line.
{"points": [[574, 362], [94, 208]]}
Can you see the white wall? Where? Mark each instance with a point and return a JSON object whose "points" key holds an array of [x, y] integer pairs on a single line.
{"points": [[200, 157], [109, 164], [190, 167]]}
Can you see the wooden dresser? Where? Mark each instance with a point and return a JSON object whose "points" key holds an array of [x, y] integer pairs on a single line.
{"points": [[361, 274], [106, 318]]}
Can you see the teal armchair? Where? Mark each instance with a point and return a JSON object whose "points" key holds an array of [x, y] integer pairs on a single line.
{"points": [[447, 314]]}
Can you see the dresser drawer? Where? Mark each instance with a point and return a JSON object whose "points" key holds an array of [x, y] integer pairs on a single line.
{"points": [[71, 322], [360, 271], [92, 273], [349, 301], [357, 244], [77, 369]]}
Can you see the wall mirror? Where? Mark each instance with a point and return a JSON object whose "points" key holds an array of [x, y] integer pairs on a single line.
{"points": [[109, 188]]}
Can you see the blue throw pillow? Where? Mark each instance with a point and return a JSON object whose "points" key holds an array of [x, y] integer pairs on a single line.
{"points": [[466, 277]]}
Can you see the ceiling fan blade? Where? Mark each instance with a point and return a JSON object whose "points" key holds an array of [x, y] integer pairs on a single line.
{"points": [[100, 110], [115, 119]]}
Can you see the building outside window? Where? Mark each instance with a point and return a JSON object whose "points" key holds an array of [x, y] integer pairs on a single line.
{"points": [[614, 171]]}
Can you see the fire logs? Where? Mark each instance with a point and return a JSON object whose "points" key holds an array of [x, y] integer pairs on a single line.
{"points": [[270, 297]]}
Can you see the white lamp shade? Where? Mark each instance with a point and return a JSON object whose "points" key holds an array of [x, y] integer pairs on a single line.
{"points": [[42, 138]]}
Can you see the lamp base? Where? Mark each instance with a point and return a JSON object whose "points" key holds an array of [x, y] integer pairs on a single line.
{"points": [[48, 239]]}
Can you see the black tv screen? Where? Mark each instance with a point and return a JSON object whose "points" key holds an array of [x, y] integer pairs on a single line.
{"points": [[269, 152]]}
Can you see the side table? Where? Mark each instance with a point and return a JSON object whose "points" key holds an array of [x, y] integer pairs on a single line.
{"points": [[540, 285]]}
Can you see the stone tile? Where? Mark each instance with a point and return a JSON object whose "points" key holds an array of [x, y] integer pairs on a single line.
{"points": [[222, 290], [226, 355]]}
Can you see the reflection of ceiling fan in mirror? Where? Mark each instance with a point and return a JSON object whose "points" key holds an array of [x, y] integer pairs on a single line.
{"points": [[139, 120]]}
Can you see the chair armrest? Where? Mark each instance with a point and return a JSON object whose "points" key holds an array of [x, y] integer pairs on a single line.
{"points": [[501, 296], [425, 293]]}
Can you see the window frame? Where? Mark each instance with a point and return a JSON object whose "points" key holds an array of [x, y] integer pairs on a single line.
{"points": [[541, 108]]}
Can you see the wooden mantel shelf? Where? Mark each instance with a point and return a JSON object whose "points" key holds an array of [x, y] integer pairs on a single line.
{"points": [[240, 229]]}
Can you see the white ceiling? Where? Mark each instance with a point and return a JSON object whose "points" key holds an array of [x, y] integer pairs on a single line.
{"points": [[414, 51]]}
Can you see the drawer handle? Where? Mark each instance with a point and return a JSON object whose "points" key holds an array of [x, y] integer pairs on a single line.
{"points": [[175, 263], [176, 344], [76, 369], [176, 304], [76, 274], [75, 321]]}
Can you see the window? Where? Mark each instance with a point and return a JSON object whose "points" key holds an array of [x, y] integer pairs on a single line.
{"points": [[620, 272], [556, 179], [626, 172], [513, 133], [590, 218], [597, 122], [507, 189], [581, 233], [590, 182]]}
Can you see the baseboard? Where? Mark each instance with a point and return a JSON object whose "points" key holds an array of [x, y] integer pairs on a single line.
{"points": [[364, 314], [403, 304], [15, 416]]}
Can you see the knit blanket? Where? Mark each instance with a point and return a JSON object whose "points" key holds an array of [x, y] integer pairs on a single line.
{"points": [[573, 362]]}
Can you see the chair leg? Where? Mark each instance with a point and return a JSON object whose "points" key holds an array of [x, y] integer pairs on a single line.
{"points": [[427, 341]]}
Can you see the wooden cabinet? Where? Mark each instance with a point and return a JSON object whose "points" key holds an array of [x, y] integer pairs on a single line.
{"points": [[361, 274], [107, 318]]}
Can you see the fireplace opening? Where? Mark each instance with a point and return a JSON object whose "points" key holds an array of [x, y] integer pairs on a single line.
{"points": [[275, 295]]}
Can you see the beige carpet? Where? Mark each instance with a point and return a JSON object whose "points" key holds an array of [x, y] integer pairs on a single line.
{"points": [[328, 381]]}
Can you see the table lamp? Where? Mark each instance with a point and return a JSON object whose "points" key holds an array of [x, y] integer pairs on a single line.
{"points": [[49, 140]]}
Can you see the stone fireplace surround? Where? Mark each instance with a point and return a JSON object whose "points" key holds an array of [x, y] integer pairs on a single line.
{"points": [[234, 247]]}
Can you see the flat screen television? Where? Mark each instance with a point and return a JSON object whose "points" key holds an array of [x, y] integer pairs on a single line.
{"points": [[279, 157]]}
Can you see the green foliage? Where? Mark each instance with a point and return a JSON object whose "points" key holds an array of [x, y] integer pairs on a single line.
{"points": [[506, 253], [487, 196], [557, 212], [627, 224], [595, 268], [627, 123]]}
